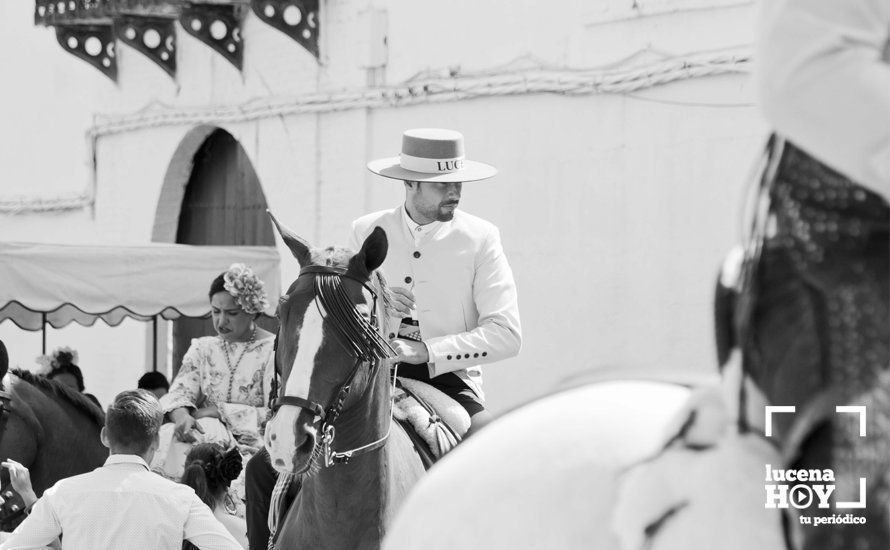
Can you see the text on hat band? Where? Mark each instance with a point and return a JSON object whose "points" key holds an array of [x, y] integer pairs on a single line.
{"points": [[431, 166]]}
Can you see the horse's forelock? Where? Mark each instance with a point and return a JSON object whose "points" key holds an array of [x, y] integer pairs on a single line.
{"points": [[332, 256]]}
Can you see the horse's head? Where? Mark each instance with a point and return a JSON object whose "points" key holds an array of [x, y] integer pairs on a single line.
{"points": [[327, 334]]}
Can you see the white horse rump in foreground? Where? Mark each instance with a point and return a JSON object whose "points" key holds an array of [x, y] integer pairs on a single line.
{"points": [[614, 464]]}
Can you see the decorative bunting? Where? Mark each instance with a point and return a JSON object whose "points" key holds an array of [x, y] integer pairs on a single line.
{"points": [[92, 43], [52, 12], [296, 18], [218, 26], [89, 28], [153, 36]]}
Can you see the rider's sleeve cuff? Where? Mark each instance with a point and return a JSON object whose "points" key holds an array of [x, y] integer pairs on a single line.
{"points": [[431, 360]]}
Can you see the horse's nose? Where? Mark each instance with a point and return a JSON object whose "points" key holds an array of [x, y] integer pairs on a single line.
{"points": [[306, 444], [305, 432]]}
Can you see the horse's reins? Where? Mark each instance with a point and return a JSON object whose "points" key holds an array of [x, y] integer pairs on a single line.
{"points": [[360, 338]]}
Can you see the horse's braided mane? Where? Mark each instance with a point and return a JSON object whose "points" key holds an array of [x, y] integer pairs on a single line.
{"points": [[75, 398]]}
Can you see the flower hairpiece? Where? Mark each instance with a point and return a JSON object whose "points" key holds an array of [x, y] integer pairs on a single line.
{"points": [[246, 288], [59, 356]]}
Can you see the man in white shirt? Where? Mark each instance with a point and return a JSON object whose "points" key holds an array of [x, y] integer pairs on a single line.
{"points": [[447, 269], [123, 505]]}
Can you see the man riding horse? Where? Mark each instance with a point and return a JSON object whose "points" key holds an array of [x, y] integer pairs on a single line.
{"points": [[458, 306], [458, 309]]}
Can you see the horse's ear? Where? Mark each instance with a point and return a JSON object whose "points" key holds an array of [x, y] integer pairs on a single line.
{"points": [[298, 247], [372, 254]]}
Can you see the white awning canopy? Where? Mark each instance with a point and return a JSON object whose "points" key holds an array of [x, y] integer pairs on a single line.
{"points": [[77, 283]]}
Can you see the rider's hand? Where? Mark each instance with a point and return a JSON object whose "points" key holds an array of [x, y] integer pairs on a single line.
{"points": [[184, 424], [401, 302], [207, 412], [20, 479], [409, 351]]}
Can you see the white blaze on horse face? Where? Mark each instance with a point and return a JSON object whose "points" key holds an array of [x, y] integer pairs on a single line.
{"points": [[281, 439], [308, 345]]}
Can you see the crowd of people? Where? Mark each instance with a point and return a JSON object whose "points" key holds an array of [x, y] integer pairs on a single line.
{"points": [[214, 412]]}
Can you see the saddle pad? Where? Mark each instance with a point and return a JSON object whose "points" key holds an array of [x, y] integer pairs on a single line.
{"points": [[407, 409]]}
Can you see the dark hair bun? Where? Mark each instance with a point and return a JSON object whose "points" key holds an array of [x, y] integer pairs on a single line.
{"points": [[230, 466], [65, 358]]}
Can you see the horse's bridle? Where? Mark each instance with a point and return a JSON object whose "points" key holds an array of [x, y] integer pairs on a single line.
{"points": [[368, 348], [12, 510]]}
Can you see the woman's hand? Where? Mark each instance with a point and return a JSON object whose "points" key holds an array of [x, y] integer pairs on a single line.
{"points": [[207, 412], [20, 479], [184, 423]]}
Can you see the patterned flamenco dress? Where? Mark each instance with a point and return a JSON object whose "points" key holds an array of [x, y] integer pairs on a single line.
{"points": [[236, 378]]}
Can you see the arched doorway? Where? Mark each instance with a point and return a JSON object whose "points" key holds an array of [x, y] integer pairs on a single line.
{"points": [[223, 204]]}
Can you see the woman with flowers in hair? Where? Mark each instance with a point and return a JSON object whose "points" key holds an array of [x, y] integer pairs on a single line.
{"points": [[61, 366], [221, 392], [209, 470]]}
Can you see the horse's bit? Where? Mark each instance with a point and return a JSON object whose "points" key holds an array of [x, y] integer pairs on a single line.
{"points": [[368, 348]]}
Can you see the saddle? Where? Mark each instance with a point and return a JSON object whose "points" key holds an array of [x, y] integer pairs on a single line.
{"points": [[435, 422]]}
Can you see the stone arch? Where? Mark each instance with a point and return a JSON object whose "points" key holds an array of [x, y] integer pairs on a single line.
{"points": [[211, 195], [179, 171]]}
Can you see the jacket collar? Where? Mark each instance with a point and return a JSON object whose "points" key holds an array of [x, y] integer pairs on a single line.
{"points": [[417, 232], [126, 459]]}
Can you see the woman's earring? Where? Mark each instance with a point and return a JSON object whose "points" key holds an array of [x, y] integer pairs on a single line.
{"points": [[230, 504]]}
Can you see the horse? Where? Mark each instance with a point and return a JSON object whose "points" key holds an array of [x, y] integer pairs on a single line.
{"points": [[622, 459], [51, 429], [333, 423]]}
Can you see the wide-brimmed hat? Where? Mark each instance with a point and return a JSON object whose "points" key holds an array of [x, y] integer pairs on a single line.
{"points": [[432, 154]]}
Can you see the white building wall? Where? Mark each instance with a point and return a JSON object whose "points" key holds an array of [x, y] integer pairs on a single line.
{"points": [[615, 209]]}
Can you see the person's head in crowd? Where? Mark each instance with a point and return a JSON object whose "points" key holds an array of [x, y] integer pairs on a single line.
{"points": [[155, 382], [237, 298], [64, 369], [132, 423], [209, 470]]}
